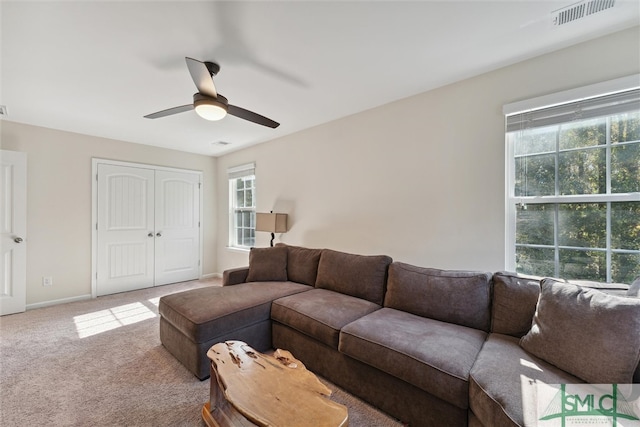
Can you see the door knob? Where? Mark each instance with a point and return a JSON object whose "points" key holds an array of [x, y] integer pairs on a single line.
{"points": [[150, 234], [159, 234], [18, 240]]}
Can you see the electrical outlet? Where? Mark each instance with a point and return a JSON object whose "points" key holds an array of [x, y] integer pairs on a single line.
{"points": [[47, 281]]}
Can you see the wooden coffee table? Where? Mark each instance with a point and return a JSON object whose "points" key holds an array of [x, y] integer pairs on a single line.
{"points": [[249, 388]]}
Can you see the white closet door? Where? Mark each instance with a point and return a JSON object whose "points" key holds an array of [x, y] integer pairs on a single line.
{"points": [[177, 239], [125, 247]]}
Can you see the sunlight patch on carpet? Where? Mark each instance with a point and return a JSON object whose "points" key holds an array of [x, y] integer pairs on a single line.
{"points": [[106, 320]]}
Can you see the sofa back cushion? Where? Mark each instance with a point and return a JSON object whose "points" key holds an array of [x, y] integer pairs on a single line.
{"points": [[302, 264], [361, 276], [620, 289], [634, 289], [267, 264], [586, 332], [514, 303], [634, 292], [459, 297], [515, 297]]}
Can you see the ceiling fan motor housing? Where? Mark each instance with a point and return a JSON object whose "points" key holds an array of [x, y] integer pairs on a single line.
{"points": [[212, 67], [199, 99]]}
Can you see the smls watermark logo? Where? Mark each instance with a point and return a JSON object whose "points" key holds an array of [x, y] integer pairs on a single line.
{"points": [[572, 405]]}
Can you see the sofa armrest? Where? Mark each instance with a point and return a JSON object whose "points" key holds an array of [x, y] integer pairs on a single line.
{"points": [[235, 276]]}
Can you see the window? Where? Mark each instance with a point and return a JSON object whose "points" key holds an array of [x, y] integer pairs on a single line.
{"points": [[573, 179], [242, 206]]}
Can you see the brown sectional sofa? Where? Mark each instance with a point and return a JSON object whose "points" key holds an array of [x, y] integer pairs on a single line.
{"points": [[430, 347]]}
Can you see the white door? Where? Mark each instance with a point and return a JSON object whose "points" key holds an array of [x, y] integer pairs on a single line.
{"points": [[13, 225], [125, 229], [148, 227], [177, 240]]}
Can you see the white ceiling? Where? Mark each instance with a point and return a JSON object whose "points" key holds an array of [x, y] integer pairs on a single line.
{"points": [[97, 68]]}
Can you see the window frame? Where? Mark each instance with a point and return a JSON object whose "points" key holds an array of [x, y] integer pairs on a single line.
{"points": [[246, 172], [512, 201]]}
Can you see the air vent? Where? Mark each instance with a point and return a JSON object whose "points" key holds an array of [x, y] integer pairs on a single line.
{"points": [[3, 111], [580, 10], [223, 143]]}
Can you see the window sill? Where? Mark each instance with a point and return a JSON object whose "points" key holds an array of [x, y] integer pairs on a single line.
{"points": [[238, 249]]}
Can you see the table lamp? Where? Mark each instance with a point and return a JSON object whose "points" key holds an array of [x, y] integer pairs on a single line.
{"points": [[271, 222]]}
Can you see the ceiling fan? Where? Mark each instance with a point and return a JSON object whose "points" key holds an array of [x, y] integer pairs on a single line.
{"points": [[208, 103]]}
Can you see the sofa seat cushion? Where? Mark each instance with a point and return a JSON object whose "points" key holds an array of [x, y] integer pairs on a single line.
{"points": [[502, 382], [320, 313], [212, 311], [432, 355]]}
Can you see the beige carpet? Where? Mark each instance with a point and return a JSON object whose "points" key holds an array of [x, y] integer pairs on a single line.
{"points": [[100, 363]]}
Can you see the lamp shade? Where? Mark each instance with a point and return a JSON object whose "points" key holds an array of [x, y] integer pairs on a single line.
{"points": [[271, 222]]}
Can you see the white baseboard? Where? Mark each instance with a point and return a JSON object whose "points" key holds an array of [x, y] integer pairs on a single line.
{"points": [[58, 301], [211, 276]]}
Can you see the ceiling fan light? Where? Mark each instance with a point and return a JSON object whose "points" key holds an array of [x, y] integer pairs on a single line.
{"points": [[210, 108], [211, 111]]}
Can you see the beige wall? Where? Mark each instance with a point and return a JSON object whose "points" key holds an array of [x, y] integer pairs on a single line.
{"points": [[59, 202], [421, 179]]}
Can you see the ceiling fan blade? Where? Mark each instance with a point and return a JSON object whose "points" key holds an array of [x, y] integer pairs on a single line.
{"points": [[201, 77], [170, 111], [251, 116]]}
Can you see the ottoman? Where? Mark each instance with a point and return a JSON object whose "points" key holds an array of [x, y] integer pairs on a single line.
{"points": [[193, 321]]}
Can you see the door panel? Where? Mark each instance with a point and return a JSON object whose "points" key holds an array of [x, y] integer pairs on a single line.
{"points": [[13, 231], [177, 227], [125, 258]]}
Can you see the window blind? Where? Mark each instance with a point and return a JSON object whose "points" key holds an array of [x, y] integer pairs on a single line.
{"points": [[582, 109], [242, 171]]}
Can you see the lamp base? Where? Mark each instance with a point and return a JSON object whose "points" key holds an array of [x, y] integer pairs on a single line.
{"points": [[273, 236]]}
